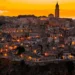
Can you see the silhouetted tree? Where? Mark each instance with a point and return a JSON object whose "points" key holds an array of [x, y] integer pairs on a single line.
{"points": [[20, 50], [23, 16]]}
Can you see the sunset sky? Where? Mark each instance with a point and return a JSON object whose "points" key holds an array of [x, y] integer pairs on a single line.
{"points": [[36, 7]]}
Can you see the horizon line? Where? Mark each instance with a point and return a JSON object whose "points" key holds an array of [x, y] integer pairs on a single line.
{"points": [[34, 15]]}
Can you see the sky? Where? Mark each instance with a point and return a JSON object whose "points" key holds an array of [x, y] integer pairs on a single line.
{"points": [[37, 7]]}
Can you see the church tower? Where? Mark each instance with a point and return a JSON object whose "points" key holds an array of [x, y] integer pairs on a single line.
{"points": [[57, 10]]}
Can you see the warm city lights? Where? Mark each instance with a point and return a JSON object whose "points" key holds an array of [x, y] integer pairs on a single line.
{"points": [[34, 51], [73, 42], [29, 57], [28, 38], [37, 37], [70, 56], [46, 54], [5, 55], [10, 47]]}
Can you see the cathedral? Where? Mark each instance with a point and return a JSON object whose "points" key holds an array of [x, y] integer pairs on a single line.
{"points": [[57, 15], [50, 16]]}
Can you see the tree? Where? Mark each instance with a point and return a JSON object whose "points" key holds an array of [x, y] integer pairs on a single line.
{"points": [[20, 49]]}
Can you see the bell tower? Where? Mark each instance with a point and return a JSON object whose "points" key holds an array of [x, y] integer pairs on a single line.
{"points": [[57, 10]]}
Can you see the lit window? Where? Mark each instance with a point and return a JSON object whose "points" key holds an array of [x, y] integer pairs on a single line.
{"points": [[35, 51], [18, 40], [1, 50], [61, 35], [70, 56], [73, 43], [55, 37], [5, 54], [28, 38], [21, 56], [6, 46], [63, 57], [6, 50], [54, 48], [21, 44], [17, 31], [21, 30], [29, 57], [3, 39], [11, 48], [63, 45], [15, 47], [46, 54]]}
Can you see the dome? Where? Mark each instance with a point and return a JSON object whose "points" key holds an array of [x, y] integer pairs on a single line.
{"points": [[51, 16]]}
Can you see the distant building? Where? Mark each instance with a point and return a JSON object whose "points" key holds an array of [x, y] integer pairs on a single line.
{"points": [[57, 10], [43, 18]]}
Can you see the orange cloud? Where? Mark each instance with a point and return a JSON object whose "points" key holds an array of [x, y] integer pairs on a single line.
{"points": [[3, 11]]}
